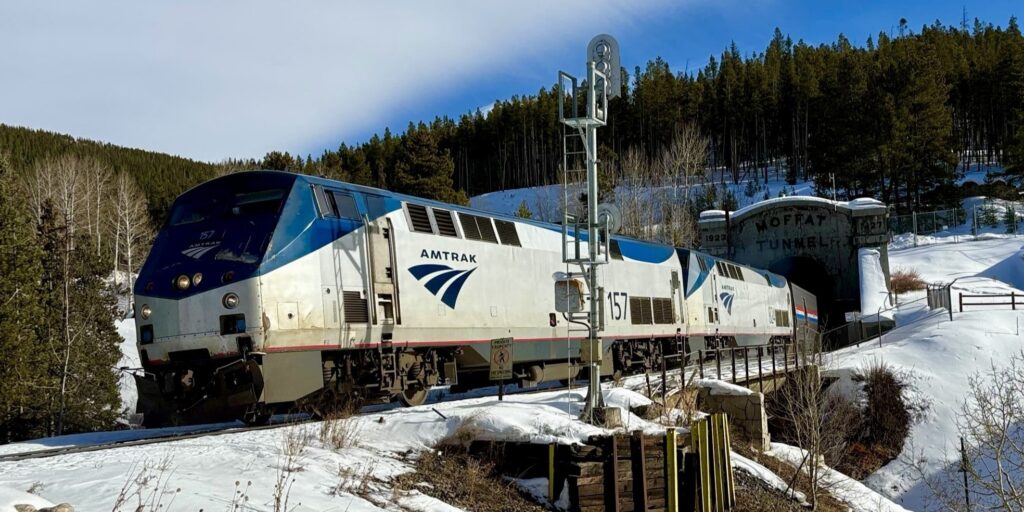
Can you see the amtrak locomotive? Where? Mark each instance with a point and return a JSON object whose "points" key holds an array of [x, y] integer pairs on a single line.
{"points": [[270, 291]]}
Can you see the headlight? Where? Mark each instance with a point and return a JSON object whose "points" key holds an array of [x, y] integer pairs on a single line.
{"points": [[182, 282], [145, 311], [230, 301], [196, 279]]}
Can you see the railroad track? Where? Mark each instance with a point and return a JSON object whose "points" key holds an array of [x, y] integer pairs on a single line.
{"points": [[218, 431], [181, 436]]}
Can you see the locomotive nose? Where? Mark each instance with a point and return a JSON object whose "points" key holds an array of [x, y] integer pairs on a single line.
{"points": [[220, 321]]}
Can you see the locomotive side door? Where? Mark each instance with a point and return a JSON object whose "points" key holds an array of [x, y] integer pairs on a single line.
{"points": [[383, 278], [346, 270], [381, 238]]}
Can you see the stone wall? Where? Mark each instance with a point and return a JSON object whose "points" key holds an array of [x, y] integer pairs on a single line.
{"points": [[746, 413]]}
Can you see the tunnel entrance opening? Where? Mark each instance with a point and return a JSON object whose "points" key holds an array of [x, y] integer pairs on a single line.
{"points": [[811, 275]]}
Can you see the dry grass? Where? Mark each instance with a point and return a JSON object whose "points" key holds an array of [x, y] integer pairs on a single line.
{"points": [[339, 430], [453, 476], [904, 280], [885, 421], [357, 480], [146, 487]]}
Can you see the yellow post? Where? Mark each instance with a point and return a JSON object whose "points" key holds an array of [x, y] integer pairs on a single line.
{"points": [[551, 473], [730, 484], [671, 470], [717, 444], [700, 442]]}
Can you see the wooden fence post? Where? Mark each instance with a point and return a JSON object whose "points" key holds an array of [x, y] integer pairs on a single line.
{"points": [[671, 471], [639, 466], [551, 473]]}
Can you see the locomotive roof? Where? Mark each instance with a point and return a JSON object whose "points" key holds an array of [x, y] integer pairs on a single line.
{"points": [[319, 180]]}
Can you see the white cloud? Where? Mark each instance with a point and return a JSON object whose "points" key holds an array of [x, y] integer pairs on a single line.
{"points": [[212, 80]]}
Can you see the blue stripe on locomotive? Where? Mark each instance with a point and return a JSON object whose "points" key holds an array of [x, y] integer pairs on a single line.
{"points": [[298, 231]]}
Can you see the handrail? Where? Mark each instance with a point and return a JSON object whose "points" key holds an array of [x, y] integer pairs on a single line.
{"points": [[879, 313]]}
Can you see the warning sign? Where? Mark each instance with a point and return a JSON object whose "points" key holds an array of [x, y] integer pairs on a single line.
{"points": [[501, 359]]}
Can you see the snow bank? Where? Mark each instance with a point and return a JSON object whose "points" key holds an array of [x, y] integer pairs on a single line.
{"points": [[129, 359], [206, 468], [855, 494], [9, 497], [722, 388], [874, 292]]}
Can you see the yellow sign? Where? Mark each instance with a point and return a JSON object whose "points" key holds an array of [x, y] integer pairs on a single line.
{"points": [[501, 359]]}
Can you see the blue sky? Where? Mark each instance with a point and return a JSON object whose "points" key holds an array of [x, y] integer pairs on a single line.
{"points": [[239, 78]]}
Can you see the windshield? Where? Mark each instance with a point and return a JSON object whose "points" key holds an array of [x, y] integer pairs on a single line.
{"points": [[242, 204]]}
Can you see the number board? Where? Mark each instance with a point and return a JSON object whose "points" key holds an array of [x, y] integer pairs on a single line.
{"points": [[501, 359]]}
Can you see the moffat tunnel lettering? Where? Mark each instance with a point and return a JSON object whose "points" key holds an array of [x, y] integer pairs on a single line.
{"points": [[448, 256], [790, 219], [787, 244]]}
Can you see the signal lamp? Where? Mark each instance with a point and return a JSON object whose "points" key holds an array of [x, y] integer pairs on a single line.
{"points": [[230, 301], [182, 282]]}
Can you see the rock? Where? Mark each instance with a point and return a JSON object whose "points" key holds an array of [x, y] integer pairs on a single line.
{"points": [[63, 507], [25, 508]]}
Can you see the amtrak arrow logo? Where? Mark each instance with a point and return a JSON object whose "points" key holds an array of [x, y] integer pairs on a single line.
{"points": [[197, 251], [435, 277], [727, 300]]}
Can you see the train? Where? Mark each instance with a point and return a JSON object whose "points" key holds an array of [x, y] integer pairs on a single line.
{"points": [[269, 291]]}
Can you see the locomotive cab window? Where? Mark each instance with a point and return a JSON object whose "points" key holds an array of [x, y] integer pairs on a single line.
{"points": [[242, 204], [703, 265], [323, 205], [344, 205]]}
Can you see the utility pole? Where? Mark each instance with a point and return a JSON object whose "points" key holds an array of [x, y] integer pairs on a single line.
{"points": [[603, 81]]}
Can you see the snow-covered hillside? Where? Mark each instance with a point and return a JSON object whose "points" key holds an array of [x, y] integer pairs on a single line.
{"points": [[942, 355]]}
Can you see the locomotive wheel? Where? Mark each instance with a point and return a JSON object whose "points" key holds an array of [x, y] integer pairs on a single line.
{"points": [[257, 416], [414, 396]]}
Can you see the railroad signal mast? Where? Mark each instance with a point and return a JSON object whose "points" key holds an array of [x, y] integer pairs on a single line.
{"points": [[585, 244]]}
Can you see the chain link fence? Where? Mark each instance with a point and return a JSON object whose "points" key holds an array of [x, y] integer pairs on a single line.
{"points": [[982, 217]]}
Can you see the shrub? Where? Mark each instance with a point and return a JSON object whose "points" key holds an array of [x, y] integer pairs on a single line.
{"points": [[904, 280], [886, 419]]}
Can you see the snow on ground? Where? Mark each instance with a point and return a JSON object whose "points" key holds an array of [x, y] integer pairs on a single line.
{"points": [[939, 354], [206, 469], [9, 497], [855, 494]]}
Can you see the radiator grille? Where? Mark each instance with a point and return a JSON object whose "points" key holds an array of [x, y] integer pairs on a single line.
{"points": [[418, 216], [640, 310], [507, 232], [663, 311], [445, 224], [355, 308]]}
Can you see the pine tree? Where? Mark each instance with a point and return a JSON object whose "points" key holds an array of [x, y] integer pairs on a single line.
{"points": [[423, 169], [523, 212], [20, 374]]}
